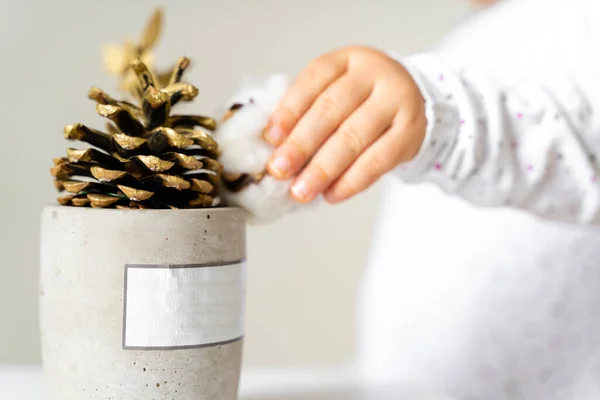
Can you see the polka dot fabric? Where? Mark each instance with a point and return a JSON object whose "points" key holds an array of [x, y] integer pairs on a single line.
{"points": [[484, 277], [530, 141]]}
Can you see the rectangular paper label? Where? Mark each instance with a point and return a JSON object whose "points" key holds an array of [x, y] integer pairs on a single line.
{"points": [[183, 306]]}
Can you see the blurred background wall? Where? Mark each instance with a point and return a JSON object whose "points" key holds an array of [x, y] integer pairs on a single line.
{"points": [[303, 270]]}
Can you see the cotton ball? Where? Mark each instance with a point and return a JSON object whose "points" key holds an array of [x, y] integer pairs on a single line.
{"points": [[264, 202], [245, 154], [243, 149]]}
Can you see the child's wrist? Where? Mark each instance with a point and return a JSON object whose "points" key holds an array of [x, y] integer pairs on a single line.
{"points": [[440, 124]]}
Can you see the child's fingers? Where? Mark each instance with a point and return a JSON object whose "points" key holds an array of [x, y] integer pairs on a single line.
{"points": [[326, 114], [313, 80], [383, 156], [358, 132]]}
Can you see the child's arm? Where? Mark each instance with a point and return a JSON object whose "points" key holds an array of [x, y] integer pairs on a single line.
{"points": [[533, 145], [354, 114]]}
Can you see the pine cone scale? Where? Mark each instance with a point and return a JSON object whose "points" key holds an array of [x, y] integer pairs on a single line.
{"points": [[122, 119], [135, 194], [191, 121], [93, 156], [84, 134]]}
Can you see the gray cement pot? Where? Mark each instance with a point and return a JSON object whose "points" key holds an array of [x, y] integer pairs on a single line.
{"points": [[142, 304]]}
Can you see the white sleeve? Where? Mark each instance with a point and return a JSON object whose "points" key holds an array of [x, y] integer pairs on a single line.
{"points": [[532, 145]]}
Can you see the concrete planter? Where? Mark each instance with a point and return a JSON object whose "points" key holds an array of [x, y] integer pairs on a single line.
{"points": [[143, 304]]}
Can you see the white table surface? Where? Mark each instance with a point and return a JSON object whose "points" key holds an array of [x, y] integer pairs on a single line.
{"points": [[26, 383]]}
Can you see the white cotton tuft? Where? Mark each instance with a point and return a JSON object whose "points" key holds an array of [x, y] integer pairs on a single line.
{"points": [[244, 151], [263, 202]]}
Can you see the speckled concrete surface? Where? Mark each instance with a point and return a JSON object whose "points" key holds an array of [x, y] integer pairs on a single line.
{"points": [[84, 252]]}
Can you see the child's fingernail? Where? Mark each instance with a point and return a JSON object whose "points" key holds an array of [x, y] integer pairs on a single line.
{"points": [[280, 165], [274, 135], [301, 191]]}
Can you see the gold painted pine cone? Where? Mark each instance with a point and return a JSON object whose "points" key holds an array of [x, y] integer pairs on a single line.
{"points": [[148, 158]]}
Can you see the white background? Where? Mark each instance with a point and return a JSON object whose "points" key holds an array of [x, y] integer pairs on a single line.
{"points": [[304, 270]]}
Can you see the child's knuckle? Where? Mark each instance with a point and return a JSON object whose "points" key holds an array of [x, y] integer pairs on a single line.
{"points": [[320, 172], [353, 139], [378, 166], [298, 148], [348, 188], [328, 109]]}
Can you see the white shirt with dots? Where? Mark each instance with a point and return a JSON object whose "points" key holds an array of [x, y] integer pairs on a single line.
{"points": [[484, 277]]}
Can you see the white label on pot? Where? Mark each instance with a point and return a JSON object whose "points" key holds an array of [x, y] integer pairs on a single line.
{"points": [[183, 306]]}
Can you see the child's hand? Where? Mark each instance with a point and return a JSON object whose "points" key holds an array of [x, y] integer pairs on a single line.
{"points": [[351, 116]]}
